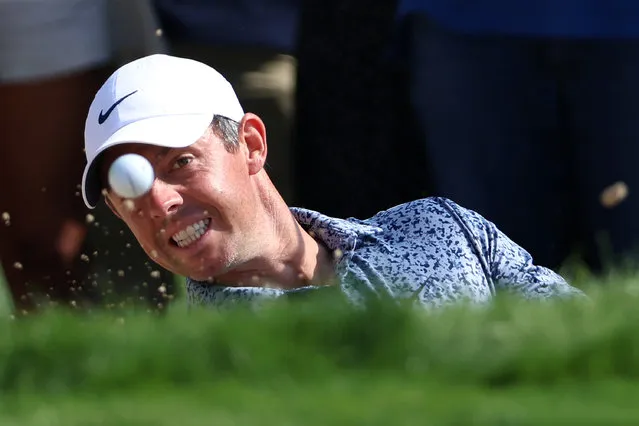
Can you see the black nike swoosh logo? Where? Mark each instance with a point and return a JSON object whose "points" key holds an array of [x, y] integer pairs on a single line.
{"points": [[104, 115]]}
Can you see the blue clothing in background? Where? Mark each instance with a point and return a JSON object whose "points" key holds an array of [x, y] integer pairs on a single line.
{"points": [[546, 18], [528, 110], [268, 23]]}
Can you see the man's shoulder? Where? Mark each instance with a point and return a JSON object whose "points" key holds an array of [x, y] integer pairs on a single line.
{"points": [[430, 208], [432, 215]]}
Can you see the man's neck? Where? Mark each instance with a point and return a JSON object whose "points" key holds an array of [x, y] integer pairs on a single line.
{"points": [[293, 259]]}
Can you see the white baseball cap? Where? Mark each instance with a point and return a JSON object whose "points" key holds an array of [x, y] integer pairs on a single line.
{"points": [[158, 100]]}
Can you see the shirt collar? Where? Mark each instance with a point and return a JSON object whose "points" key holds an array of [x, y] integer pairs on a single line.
{"points": [[336, 234]]}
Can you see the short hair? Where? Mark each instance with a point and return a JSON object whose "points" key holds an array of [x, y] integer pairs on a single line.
{"points": [[227, 130]]}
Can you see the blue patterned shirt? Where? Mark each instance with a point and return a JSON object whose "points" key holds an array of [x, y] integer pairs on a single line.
{"points": [[430, 251]]}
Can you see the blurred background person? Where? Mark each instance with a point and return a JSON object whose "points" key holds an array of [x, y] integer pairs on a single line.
{"points": [[53, 58], [527, 111], [355, 152]]}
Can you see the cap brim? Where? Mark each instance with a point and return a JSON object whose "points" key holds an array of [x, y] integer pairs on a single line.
{"points": [[177, 131]]}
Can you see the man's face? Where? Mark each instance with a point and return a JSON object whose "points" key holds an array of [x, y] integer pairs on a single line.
{"points": [[199, 218]]}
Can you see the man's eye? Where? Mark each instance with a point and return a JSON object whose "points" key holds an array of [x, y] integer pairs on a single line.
{"points": [[181, 162]]}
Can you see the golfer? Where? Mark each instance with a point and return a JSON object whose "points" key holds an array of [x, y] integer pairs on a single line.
{"points": [[214, 216]]}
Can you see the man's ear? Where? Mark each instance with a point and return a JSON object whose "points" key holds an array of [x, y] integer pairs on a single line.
{"points": [[252, 133]]}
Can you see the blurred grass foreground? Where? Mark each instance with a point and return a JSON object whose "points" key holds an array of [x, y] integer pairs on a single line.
{"points": [[319, 362]]}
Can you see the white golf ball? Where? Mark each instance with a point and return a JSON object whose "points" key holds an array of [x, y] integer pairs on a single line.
{"points": [[131, 176]]}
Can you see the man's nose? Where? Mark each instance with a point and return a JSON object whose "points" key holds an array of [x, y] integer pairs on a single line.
{"points": [[163, 199]]}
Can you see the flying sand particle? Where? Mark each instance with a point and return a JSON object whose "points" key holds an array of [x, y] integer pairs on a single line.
{"points": [[129, 205], [337, 254], [614, 194]]}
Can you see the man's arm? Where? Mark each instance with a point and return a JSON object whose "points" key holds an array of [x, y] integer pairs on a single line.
{"points": [[513, 270], [509, 266], [199, 293]]}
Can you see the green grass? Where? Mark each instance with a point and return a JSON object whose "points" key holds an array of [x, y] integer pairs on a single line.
{"points": [[339, 401], [319, 362]]}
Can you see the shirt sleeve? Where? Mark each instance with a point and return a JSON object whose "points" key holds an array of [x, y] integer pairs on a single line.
{"points": [[509, 266], [201, 294]]}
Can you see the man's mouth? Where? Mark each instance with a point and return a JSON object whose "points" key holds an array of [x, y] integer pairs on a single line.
{"points": [[191, 233]]}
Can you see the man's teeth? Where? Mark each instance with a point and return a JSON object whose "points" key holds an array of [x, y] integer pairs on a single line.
{"points": [[191, 233]]}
